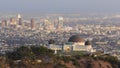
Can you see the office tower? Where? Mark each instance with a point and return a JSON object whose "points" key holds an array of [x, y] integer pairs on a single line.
{"points": [[13, 22], [32, 23], [60, 23], [4, 23], [19, 20], [46, 24]]}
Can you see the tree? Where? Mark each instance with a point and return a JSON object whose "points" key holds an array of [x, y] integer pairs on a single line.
{"points": [[40, 50], [20, 53]]}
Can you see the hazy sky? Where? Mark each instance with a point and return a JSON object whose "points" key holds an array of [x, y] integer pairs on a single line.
{"points": [[60, 6]]}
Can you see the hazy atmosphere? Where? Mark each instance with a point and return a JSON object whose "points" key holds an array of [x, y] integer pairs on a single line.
{"points": [[59, 33], [92, 6]]}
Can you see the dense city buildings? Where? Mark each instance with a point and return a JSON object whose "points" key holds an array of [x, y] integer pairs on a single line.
{"points": [[29, 30]]}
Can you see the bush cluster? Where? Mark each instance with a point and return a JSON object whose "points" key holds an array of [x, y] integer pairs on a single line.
{"points": [[29, 52]]}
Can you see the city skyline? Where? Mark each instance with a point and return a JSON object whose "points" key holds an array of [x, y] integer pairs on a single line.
{"points": [[60, 6]]}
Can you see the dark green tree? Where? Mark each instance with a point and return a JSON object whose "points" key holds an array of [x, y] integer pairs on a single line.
{"points": [[40, 50], [20, 53]]}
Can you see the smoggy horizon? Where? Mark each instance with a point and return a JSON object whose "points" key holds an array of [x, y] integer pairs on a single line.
{"points": [[60, 6]]}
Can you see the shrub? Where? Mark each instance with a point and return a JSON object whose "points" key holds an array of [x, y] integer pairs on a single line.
{"points": [[59, 65], [66, 59], [75, 62]]}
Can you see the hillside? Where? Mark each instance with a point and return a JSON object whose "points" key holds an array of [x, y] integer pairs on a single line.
{"points": [[41, 57]]}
